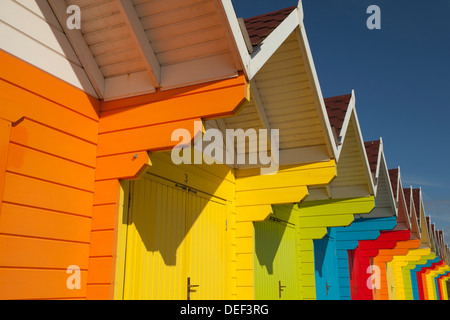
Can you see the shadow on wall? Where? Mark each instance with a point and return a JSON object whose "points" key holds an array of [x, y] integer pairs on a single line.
{"points": [[269, 235], [164, 212]]}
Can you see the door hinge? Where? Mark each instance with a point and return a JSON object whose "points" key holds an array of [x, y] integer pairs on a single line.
{"points": [[181, 186], [226, 224], [129, 200]]}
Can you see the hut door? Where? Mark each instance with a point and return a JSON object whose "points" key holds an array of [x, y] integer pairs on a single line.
{"points": [[175, 243], [275, 261], [326, 271], [206, 235]]}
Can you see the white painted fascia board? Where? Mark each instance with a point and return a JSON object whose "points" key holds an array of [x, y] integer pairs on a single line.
{"points": [[262, 53], [317, 91], [344, 129], [252, 63], [359, 137], [81, 48], [420, 209], [352, 117], [380, 156], [226, 11], [400, 189], [414, 213], [385, 171]]}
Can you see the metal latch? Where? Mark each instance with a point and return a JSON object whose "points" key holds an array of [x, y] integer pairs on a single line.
{"points": [[280, 289], [189, 288]]}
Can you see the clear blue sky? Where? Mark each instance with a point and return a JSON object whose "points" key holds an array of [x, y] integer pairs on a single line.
{"points": [[401, 78]]}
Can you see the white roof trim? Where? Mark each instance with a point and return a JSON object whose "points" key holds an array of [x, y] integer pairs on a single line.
{"points": [[383, 163], [351, 116], [400, 188], [81, 49], [315, 87], [252, 63]]}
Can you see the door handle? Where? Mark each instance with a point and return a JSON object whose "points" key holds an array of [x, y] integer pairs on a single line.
{"points": [[280, 289], [327, 286], [189, 288]]}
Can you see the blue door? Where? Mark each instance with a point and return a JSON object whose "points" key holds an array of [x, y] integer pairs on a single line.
{"points": [[326, 271]]}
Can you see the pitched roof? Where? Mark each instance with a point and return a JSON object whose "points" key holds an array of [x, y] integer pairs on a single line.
{"points": [[416, 198], [259, 27], [337, 108], [407, 193], [372, 149], [393, 176]]}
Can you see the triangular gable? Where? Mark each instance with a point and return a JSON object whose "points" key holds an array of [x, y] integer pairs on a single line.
{"points": [[385, 205], [420, 214], [403, 221], [285, 93], [431, 234], [354, 178], [409, 196]]}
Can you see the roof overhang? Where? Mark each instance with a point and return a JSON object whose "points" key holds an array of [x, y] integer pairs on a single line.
{"points": [[130, 48], [253, 66]]}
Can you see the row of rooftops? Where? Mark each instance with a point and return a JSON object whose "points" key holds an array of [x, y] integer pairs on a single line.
{"points": [[168, 35], [258, 29]]}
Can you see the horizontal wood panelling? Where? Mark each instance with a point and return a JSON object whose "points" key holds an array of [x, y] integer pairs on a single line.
{"points": [[51, 253], [102, 243], [33, 222], [103, 217], [41, 8], [40, 54], [38, 29], [46, 139], [100, 270], [45, 223], [156, 137], [228, 95], [38, 284], [49, 113], [45, 195], [23, 160]]}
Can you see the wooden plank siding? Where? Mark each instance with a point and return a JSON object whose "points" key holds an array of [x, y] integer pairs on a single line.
{"points": [[75, 188], [410, 276], [255, 196], [314, 217], [50, 150], [344, 239], [129, 129], [31, 32], [395, 260]]}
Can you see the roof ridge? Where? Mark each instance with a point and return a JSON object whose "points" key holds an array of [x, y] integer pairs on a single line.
{"points": [[270, 13], [261, 26], [337, 108]]}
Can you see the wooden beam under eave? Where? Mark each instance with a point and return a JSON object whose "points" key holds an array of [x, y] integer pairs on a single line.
{"points": [[124, 166], [149, 138], [81, 48], [139, 36], [209, 101]]}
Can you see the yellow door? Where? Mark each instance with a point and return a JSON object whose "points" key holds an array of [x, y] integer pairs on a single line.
{"points": [[175, 234], [206, 227]]}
